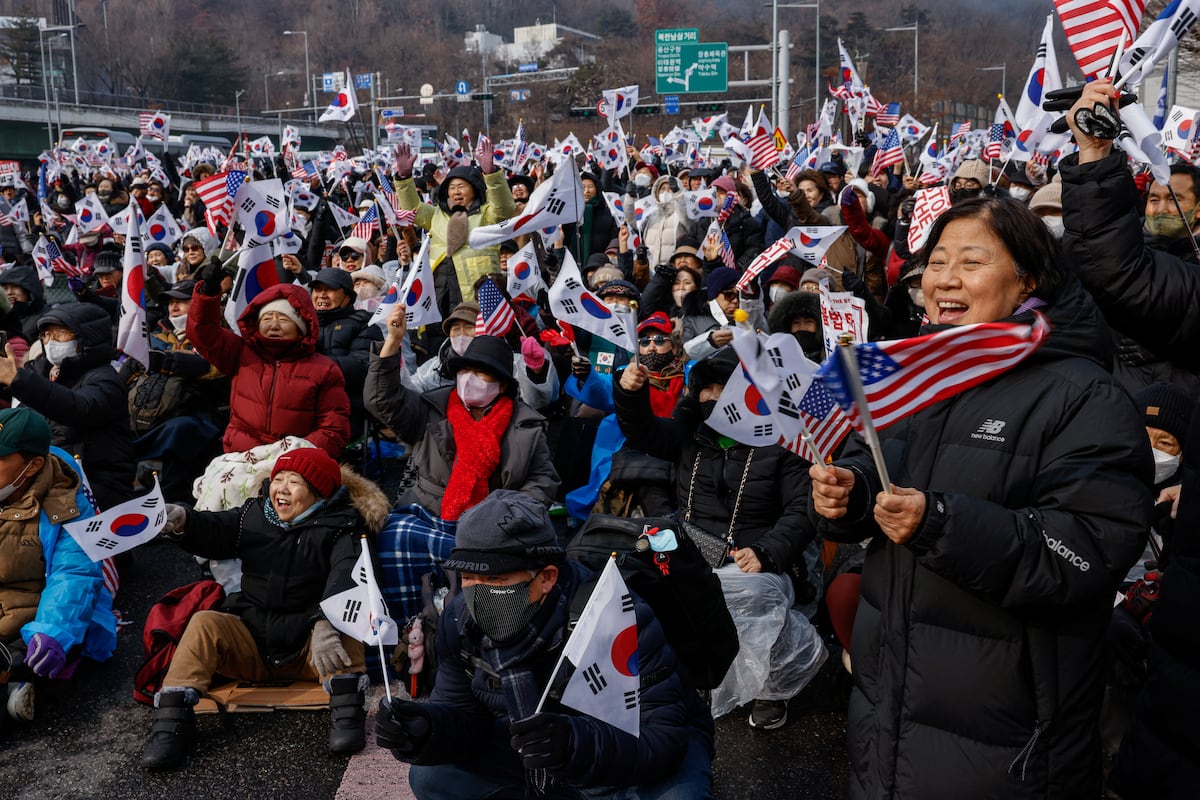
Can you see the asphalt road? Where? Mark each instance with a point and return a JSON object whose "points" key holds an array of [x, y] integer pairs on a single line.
{"points": [[87, 739]]}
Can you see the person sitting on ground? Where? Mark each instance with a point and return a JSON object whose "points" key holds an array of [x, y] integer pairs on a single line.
{"points": [[467, 440], [73, 384], [280, 385], [54, 606], [485, 734], [298, 540]]}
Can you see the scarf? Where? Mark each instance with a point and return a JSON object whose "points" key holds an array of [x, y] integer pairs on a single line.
{"points": [[476, 453], [514, 664], [457, 229]]}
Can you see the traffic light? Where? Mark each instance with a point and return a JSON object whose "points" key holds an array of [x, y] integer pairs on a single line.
{"points": [[710, 108], [586, 111], [647, 109]]}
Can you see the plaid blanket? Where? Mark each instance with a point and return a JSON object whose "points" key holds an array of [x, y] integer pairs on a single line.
{"points": [[412, 543]]}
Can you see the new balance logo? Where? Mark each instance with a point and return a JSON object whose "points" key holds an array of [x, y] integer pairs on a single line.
{"points": [[990, 430]]}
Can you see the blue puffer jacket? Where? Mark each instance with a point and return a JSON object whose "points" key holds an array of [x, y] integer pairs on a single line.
{"points": [[468, 705], [75, 607]]}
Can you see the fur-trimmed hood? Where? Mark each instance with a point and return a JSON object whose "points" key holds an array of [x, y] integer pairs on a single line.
{"points": [[370, 501]]}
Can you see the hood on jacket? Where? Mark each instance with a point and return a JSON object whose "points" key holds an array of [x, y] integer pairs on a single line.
{"points": [[372, 504], [295, 294], [90, 323], [472, 176], [203, 238], [792, 305], [26, 277]]}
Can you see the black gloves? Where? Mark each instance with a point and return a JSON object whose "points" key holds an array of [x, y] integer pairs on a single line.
{"points": [[210, 275], [403, 727], [581, 368], [543, 740]]}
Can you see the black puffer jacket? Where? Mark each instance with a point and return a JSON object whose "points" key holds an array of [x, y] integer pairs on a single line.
{"points": [[1150, 295], [977, 645], [87, 405], [22, 320], [346, 337], [287, 572], [774, 482], [470, 714]]}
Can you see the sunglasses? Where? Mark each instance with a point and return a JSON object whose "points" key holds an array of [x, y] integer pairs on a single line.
{"points": [[730, 295], [658, 340], [192, 248], [350, 255]]}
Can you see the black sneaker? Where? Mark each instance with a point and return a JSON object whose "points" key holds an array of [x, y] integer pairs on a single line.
{"points": [[768, 715]]}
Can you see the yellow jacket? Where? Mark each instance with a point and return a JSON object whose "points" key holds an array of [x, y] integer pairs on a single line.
{"points": [[469, 265]]}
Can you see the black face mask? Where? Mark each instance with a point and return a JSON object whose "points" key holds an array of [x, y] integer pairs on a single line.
{"points": [[812, 343], [502, 612], [707, 407], [959, 195]]}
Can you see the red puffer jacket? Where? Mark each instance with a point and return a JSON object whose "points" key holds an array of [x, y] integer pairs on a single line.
{"points": [[297, 393]]}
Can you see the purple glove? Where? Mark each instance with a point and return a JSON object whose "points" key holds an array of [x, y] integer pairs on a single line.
{"points": [[75, 284], [534, 355], [45, 656], [485, 155], [849, 196], [402, 165]]}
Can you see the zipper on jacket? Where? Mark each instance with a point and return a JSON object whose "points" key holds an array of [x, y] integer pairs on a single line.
{"points": [[1026, 751], [271, 396]]}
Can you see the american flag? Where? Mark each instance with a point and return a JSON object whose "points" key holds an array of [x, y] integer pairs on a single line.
{"points": [[889, 153], [385, 186], [762, 144], [217, 193], [367, 224], [995, 141], [889, 116], [495, 314], [50, 258], [796, 165], [305, 172], [901, 377], [725, 251], [726, 208], [154, 124], [1096, 28], [825, 421], [873, 108], [959, 131]]}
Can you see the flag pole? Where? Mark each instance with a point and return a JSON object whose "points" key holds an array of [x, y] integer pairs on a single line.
{"points": [[387, 685], [854, 384]]}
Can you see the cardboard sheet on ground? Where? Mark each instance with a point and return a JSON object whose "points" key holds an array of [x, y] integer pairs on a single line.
{"points": [[243, 697]]}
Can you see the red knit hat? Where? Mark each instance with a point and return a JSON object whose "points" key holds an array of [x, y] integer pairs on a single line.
{"points": [[314, 465]]}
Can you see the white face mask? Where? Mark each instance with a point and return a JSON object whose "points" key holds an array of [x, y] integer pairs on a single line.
{"points": [[1055, 226], [642, 179], [57, 352], [782, 195], [459, 343], [474, 391], [179, 323], [778, 292], [6, 491], [366, 290], [917, 295], [1019, 193], [1164, 465], [664, 196], [677, 295]]}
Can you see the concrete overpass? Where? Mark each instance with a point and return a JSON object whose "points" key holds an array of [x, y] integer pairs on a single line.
{"points": [[24, 123]]}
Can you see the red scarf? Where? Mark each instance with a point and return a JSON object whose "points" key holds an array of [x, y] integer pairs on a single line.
{"points": [[476, 453]]}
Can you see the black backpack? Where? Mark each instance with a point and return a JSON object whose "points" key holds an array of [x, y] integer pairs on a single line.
{"points": [[156, 398], [686, 597]]}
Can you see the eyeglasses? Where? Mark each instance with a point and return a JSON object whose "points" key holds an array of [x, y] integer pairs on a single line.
{"points": [[192, 248], [58, 336], [349, 255], [731, 294], [658, 340]]}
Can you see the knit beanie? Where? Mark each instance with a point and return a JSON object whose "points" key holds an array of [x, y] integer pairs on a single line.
{"points": [[721, 279], [282, 306], [1167, 407], [314, 465]]}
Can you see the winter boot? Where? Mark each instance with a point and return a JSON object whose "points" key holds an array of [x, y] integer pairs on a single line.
{"points": [[348, 717], [173, 730]]}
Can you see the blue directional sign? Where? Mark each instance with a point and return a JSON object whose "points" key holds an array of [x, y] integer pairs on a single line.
{"points": [[362, 80], [462, 88], [671, 104]]}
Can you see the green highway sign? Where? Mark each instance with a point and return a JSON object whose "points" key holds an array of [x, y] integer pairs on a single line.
{"points": [[684, 65]]}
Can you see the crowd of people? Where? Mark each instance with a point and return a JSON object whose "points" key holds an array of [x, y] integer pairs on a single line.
{"points": [[970, 597]]}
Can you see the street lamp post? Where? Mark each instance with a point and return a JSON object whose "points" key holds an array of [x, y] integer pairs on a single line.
{"points": [[74, 70], [267, 89], [1003, 76], [44, 46], [776, 91], [237, 109], [307, 73], [916, 29]]}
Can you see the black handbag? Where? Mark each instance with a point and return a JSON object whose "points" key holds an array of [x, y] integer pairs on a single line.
{"points": [[714, 549]]}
